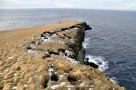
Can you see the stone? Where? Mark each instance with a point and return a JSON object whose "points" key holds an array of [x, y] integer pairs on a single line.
{"points": [[86, 62]]}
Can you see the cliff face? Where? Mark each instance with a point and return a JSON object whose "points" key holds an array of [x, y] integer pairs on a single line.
{"points": [[48, 57]]}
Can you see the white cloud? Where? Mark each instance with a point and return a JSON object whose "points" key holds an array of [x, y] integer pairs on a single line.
{"points": [[90, 4], [129, 5], [25, 3], [65, 4]]}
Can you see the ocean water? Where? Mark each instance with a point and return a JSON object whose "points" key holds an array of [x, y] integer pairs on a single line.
{"points": [[111, 42]]}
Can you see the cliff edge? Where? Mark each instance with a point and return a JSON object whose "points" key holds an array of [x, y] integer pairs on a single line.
{"points": [[49, 58]]}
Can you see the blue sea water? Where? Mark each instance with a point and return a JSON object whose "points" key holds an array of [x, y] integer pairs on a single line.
{"points": [[113, 36]]}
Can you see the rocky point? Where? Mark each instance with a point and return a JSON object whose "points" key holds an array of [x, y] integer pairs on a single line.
{"points": [[49, 57]]}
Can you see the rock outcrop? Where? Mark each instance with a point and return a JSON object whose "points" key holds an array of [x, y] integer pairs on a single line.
{"points": [[49, 58]]}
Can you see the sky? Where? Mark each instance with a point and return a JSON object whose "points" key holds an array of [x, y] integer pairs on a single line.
{"points": [[80, 4]]}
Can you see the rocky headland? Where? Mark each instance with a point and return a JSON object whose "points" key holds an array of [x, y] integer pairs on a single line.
{"points": [[49, 57]]}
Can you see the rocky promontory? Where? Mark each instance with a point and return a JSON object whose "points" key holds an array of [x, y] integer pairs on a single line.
{"points": [[49, 57]]}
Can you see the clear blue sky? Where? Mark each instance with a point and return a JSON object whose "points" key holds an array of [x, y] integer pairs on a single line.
{"points": [[85, 4]]}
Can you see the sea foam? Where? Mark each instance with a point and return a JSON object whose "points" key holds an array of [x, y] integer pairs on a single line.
{"points": [[85, 43], [98, 60], [114, 80]]}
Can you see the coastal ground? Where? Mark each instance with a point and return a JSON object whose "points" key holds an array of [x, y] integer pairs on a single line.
{"points": [[25, 68]]}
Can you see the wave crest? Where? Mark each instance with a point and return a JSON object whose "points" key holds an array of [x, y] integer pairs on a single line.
{"points": [[98, 60]]}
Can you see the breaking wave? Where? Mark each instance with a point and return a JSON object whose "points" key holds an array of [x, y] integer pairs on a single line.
{"points": [[98, 60], [114, 80], [85, 43]]}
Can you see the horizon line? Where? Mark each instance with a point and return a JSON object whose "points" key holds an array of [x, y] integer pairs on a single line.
{"points": [[72, 8]]}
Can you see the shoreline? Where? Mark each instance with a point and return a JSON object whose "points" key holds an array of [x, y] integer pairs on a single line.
{"points": [[48, 57]]}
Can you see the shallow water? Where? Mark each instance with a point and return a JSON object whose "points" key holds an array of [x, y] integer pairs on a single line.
{"points": [[113, 36]]}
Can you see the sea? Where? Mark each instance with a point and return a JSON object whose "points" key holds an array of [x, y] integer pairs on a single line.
{"points": [[111, 42]]}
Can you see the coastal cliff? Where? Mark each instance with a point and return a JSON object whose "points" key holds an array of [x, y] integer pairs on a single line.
{"points": [[49, 57]]}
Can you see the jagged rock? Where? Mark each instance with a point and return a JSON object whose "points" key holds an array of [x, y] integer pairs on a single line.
{"points": [[72, 43], [53, 52], [81, 55], [54, 77], [63, 29], [87, 27], [45, 82], [70, 54], [86, 62], [46, 35], [29, 48], [61, 50]]}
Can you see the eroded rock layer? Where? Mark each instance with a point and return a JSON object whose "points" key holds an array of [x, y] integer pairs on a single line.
{"points": [[48, 58]]}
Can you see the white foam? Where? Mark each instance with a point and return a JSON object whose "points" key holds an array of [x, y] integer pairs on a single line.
{"points": [[98, 60], [114, 80], [85, 43]]}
